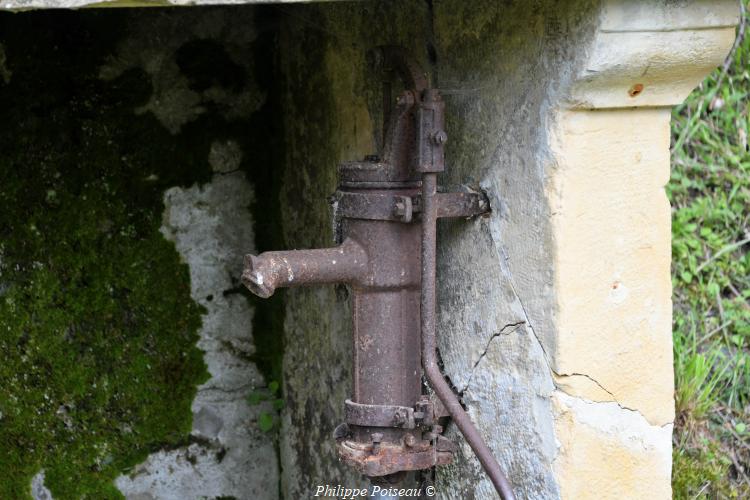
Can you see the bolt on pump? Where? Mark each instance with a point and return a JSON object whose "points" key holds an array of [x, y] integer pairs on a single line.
{"points": [[386, 208]]}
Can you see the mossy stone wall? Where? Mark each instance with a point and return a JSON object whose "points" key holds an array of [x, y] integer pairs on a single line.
{"points": [[102, 113]]}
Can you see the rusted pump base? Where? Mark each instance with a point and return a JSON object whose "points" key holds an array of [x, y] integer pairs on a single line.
{"points": [[420, 447], [388, 459]]}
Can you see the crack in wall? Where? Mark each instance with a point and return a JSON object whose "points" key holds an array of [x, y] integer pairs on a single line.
{"points": [[242, 388], [574, 374], [505, 269], [632, 411], [505, 330], [560, 388]]}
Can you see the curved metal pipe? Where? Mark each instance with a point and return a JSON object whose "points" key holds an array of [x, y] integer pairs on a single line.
{"points": [[429, 344]]}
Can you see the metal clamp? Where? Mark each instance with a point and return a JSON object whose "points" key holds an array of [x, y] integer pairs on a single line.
{"points": [[365, 415]]}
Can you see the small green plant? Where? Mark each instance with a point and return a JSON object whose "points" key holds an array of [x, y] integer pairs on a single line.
{"points": [[267, 421], [698, 377]]}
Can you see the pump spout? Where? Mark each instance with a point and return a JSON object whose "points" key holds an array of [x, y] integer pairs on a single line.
{"points": [[266, 272]]}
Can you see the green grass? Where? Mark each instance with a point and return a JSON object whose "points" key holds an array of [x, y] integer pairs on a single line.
{"points": [[710, 194]]}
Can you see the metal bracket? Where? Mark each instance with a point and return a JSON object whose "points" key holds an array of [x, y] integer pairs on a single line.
{"points": [[431, 137], [466, 205], [400, 208]]}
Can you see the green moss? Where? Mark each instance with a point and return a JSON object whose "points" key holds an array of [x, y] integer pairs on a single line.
{"points": [[703, 473], [97, 327]]}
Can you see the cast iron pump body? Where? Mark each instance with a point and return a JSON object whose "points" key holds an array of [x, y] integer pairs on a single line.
{"points": [[386, 209]]}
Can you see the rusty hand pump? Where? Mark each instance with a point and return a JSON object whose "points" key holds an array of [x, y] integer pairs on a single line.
{"points": [[387, 209]]}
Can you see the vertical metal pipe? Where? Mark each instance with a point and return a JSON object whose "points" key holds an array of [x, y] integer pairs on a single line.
{"points": [[429, 345]]}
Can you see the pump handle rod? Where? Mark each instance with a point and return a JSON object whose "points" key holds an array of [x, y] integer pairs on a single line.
{"points": [[429, 345]]}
